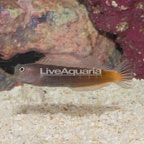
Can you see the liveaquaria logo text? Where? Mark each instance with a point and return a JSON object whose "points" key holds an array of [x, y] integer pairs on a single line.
{"points": [[70, 72]]}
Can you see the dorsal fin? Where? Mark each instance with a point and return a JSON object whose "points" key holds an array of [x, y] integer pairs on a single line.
{"points": [[71, 60]]}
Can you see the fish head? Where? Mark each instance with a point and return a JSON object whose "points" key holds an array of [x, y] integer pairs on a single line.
{"points": [[26, 73]]}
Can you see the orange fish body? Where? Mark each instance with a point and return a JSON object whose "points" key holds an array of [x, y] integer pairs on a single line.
{"points": [[45, 75]]}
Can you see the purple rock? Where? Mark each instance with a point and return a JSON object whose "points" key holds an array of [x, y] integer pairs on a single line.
{"points": [[126, 19]]}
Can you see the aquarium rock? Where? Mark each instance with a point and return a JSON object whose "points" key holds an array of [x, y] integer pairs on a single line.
{"points": [[126, 20], [51, 27]]}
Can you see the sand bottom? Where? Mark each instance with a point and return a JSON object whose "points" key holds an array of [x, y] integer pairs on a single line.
{"points": [[36, 115]]}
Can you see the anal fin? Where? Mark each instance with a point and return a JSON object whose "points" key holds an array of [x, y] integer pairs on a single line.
{"points": [[89, 88]]}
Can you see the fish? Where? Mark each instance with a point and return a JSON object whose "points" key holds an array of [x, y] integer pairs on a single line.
{"points": [[73, 77]]}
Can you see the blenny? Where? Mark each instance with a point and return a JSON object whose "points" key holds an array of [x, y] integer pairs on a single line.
{"points": [[73, 77]]}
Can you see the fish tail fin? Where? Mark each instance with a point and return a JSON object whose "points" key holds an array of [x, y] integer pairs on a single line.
{"points": [[126, 74]]}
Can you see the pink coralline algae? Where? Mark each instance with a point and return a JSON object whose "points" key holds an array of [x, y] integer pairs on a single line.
{"points": [[124, 18]]}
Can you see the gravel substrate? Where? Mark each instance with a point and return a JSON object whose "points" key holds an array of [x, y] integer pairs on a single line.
{"points": [[42, 115]]}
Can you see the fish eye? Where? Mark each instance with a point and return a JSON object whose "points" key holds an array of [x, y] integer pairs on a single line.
{"points": [[21, 69]]}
